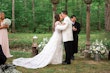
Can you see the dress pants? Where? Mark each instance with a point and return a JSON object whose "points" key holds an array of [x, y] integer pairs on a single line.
{"points": [[68, 49]]}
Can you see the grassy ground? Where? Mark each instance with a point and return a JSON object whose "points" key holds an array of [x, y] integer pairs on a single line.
{"points": [[24, 40], [20, 42], [79, 65]]}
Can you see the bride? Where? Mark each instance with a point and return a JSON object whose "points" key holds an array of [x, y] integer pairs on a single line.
{"points": [[51, 53]]}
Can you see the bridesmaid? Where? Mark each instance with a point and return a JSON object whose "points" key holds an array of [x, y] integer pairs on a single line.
{"points": [[4, 36]]}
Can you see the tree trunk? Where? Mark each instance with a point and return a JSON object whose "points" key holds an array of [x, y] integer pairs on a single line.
{"points": [[66, 5], [54, 11], [98, 15], [81, 21], [13, 16], [33, 13], [25, 10], [107, 15], [77, 5], [61, 5], [73, 9]]}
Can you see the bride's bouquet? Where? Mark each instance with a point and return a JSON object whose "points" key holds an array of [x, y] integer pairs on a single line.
{"points": [[7, 22]]}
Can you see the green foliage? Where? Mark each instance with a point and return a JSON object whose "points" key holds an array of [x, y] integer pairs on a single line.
{"points": [[43, 14], [107, 44], [24, 40]]}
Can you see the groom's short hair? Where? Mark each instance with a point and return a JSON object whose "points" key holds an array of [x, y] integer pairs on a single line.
{"points": [[65, 12]]}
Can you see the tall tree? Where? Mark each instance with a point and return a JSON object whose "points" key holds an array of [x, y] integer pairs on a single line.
{"points": [[33, 12], [13, 16], [107, 15], [66, 5], [81, 5], [80, 10], [25, 10], [98, 14]]}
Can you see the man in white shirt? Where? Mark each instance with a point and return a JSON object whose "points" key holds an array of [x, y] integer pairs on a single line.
{"points": [[67, 36]]}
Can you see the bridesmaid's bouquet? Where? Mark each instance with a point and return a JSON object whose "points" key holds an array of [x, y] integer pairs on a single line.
{"points": [[7, 22]]}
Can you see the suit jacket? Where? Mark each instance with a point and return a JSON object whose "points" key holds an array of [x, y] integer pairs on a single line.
{"points": [[76, 25], [75, 36], [66, 30]]}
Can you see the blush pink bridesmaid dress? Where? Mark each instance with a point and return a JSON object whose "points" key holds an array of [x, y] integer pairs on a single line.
{"points": [[4, 41]]}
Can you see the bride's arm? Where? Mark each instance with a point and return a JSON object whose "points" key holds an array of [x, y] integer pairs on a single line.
{"points": [[62, 26]]}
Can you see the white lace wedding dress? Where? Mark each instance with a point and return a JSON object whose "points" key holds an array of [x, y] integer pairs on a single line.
{"points": [[51, 53]]}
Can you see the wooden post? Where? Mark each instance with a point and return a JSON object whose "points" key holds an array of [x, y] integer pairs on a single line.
{"points": [[54, 4], [88, 2], [88, 27]]}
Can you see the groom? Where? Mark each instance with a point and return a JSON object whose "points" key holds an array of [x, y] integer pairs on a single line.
{"points": [[67, 37]]}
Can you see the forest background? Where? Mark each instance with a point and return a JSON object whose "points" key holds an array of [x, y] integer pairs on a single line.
{"points": [[42, 14]]}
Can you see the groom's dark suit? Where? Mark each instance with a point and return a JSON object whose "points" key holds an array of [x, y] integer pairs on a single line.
{"points": [[75, 37]]}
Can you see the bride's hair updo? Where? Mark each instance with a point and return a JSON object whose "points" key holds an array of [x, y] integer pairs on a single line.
{"points": [[57, 17]]}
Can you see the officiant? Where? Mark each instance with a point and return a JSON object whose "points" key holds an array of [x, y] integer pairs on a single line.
{"points": [[76, 30]]}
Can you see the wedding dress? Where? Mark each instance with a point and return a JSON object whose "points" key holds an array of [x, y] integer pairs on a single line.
{"points": [[51, 53]]}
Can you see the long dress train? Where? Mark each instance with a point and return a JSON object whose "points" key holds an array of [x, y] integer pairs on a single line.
{"points": [[51, 53]]}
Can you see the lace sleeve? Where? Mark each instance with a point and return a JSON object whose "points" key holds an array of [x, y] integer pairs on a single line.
{"points": [[57, 23], [61, 27]]}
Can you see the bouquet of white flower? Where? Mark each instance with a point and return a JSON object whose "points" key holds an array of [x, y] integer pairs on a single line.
{"points": [[43, 43], [98, 47], [7, 22], [98, 50]]}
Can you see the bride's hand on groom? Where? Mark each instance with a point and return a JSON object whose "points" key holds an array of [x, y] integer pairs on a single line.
{"points": [[63, 23]]}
